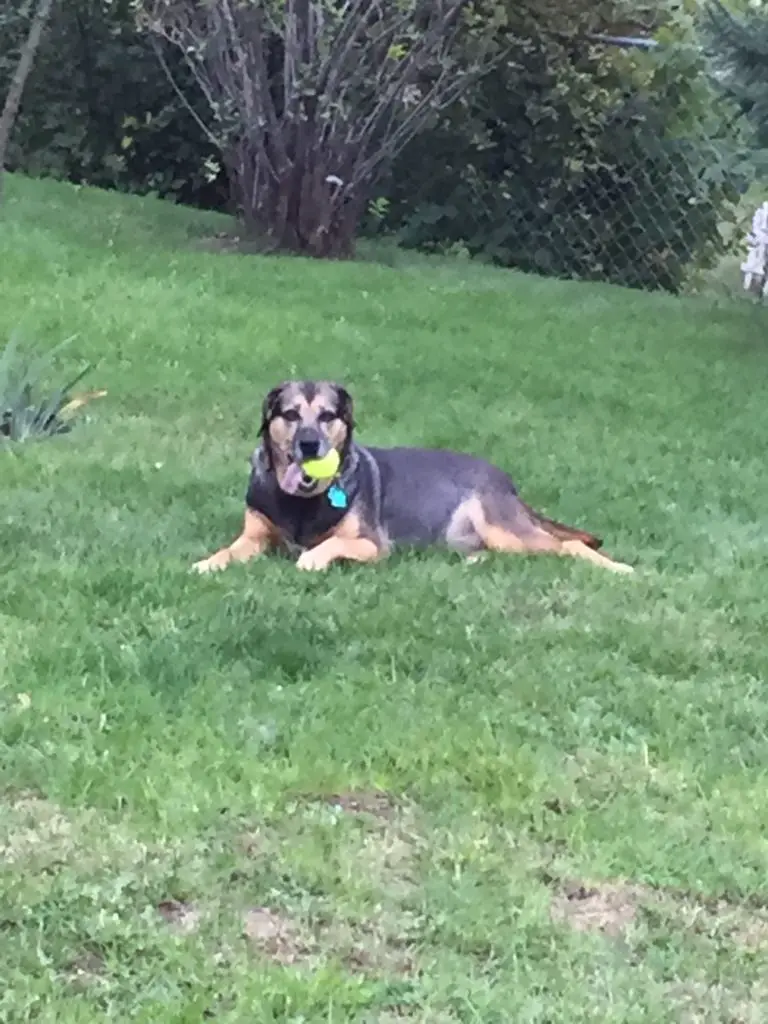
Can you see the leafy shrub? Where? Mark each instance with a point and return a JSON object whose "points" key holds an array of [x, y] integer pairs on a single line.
{"points": [[98, 108], [577, 159], [738, 46]]}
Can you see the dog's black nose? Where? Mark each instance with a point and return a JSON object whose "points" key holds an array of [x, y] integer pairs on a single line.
{"points": [[309, 448]]}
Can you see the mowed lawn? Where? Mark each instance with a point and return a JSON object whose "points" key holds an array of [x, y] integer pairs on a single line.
{"points": [[522, 790]]}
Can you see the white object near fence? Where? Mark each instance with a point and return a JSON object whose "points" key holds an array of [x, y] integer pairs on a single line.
{"points": [[755, 266]]}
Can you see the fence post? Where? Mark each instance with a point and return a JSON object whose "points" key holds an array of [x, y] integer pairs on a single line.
{"points": [[755, 266]]}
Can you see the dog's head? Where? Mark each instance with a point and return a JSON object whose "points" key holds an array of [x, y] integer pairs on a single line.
{"points": [[303, 420]]}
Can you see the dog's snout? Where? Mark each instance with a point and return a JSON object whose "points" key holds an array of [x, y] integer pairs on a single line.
{"points": [[308, 444], [309, 449]]}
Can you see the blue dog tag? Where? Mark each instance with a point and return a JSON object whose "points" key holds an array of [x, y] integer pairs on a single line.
{"points": [[337, 497]]}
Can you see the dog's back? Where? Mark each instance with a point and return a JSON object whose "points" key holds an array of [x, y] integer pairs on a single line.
{"points": [[430, 495], [419, 490]]}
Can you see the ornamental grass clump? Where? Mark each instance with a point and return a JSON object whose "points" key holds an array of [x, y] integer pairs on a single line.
{"points": [[29, 410]]}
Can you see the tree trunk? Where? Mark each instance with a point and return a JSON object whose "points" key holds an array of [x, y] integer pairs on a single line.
{"points": [[311, 100], [299, 211], [23, 68]]}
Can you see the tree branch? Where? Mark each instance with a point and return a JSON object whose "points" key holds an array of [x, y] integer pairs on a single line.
{"points": [[209, 134]]}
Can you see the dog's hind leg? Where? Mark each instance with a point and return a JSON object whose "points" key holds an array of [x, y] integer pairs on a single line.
{"points": [[578, 549], [462, 533], [562, 531], [511, 527]]}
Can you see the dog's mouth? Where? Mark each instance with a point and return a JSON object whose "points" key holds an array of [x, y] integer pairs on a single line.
{"points": [[296, 481]]}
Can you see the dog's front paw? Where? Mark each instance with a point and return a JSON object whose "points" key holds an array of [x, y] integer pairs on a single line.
{"points": [[313, 560], [622, 567], [478, 556], [214, 563]]}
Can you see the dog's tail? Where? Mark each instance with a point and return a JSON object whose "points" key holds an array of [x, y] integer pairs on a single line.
{"points": [[563, 532]]}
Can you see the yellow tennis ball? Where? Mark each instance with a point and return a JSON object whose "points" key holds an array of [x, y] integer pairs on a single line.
{"points": [[323, 469]]}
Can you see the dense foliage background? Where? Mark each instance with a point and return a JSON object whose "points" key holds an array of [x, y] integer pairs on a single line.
{"points": [[573, 157]]}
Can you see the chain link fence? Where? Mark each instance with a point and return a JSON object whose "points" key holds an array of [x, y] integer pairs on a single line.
{"points": [[647, 185], [676, 209]]}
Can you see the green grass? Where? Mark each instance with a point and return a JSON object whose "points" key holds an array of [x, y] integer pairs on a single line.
{"points": [[561, 748]]}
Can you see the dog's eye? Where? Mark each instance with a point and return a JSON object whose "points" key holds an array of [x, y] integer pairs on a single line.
{"points": [[292, 415], [327, 416]]}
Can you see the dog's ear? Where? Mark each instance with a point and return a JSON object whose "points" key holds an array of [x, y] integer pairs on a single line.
{"points": [[345, 406], [269, 407]]}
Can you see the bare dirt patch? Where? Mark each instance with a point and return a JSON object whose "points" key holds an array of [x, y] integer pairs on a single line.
{"points": [[422, 1015], [612, 908], [752, 934], [744, 926], [380, 959], [378, 946], [277, 936], [364, 947], [85, 970], [33, 827], [710, 929], [371, 803], [42, 836], [182, 917], [607, 908]]}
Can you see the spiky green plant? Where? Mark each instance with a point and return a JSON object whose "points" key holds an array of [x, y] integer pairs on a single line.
{"points": [[27, 412]]}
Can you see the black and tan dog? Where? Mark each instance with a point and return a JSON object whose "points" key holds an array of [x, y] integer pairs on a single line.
{"points": [[380, 497]]}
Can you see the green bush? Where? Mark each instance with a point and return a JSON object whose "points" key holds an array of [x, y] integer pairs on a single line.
{"points": [[98, 108], [738, 46], [577, 159]]}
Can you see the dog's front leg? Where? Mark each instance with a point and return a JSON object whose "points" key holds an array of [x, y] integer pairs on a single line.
{"points": [[257, 535], [357, 549]]}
